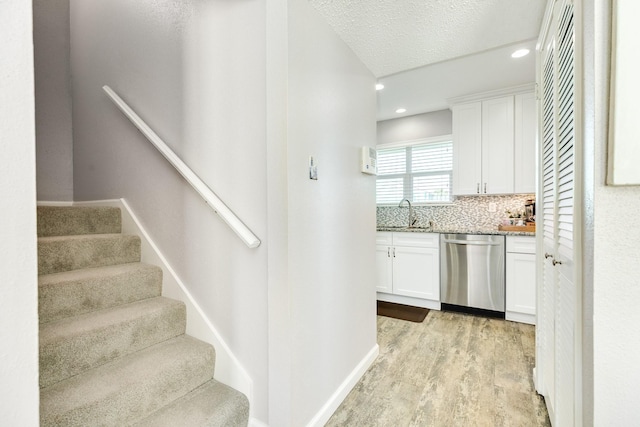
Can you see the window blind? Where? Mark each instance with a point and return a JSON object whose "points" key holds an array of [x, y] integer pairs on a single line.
{"points": [[421, 173]]}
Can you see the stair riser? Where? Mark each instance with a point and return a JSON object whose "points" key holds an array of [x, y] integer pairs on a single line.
{"points": [[131, 393], [58, 254], [63, 356], [68, 221], [212, 404], [64, 297]]}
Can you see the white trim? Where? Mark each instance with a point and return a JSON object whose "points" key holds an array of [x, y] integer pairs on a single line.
{"points": [[520, 317], [513, 90], [189, 175], [49, 203], [228, 369], [327, 410], [544, 28], [254, 422], [412, 142], [416, 302]]}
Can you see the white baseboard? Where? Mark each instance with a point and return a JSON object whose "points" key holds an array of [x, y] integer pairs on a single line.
{"points": [[321, 418], [520, 317], [416, 302], [48, 203], [253, 422], [228, 369]]}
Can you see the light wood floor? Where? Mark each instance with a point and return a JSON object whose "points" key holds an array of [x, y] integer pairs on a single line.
{"points": [[450, 370]]}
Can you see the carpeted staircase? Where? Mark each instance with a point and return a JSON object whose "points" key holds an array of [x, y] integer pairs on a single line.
{"points": [[113, 352]]}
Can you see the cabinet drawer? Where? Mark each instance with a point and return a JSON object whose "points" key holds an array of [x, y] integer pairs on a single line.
{"points": [[521, 244], [384, 238], [422, 240]]}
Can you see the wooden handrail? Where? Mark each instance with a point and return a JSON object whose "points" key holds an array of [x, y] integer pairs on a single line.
{"points": [[201, 188]]}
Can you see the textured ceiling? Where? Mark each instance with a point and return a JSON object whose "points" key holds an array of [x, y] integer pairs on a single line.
{"points": [[390, 36]]}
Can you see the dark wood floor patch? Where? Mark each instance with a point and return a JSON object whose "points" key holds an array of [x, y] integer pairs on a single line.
{"points": [[402, 312]]}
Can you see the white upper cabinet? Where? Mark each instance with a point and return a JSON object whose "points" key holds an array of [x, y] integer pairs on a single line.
{"points": [[525, 143], [494, 145], [467, 140], [497, 146]]}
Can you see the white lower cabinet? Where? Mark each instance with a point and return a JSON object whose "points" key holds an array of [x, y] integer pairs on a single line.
{"points": [[409, 268], [521, 279], [384, 244]]}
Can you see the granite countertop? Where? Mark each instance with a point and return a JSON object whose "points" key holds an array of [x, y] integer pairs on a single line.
{"points": [[455, 230]]}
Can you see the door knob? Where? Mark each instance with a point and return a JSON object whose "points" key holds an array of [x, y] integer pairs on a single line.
{"points": [[546, 255], [556, 262]]}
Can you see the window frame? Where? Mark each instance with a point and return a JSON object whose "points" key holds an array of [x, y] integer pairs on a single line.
{"points": [[410, 175]]}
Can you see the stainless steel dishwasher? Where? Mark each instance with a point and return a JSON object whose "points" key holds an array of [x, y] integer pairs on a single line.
{"points": [[472, 273]]}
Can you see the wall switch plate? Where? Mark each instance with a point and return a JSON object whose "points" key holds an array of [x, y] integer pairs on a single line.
{"points": [[313, 169], [492, 207]]}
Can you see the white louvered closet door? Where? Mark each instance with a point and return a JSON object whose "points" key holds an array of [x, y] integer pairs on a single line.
{"points": [[566, 286], [546, 216], [558, 346]]}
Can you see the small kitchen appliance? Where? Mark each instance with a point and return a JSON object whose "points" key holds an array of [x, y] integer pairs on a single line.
{"points": [[530, 210]]}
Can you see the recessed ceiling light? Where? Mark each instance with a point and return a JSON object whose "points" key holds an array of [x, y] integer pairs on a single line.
{"points": [[520, 53], [401, 110], [379, 86]]}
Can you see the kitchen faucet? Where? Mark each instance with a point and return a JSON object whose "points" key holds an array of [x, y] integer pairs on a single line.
{"points": [[412, 220]]}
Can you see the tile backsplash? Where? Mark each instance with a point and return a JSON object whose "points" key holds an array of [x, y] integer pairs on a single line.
{"points": [[466, 212]]}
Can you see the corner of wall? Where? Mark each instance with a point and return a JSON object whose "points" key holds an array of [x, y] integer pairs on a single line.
{"points": [[327, 410], [53, 104], [18, 247]]}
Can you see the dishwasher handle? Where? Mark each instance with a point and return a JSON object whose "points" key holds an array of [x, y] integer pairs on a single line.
{"points": [[472, 242]]}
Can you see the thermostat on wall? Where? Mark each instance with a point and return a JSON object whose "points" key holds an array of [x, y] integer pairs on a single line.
{"points": [[369, 162]]}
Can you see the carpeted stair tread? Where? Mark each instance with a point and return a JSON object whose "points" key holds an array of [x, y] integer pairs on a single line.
{"points": [[131, 388], [212, 404], [72, 220], [75, 292], [65, 253], [75, 344], [112, 350]]}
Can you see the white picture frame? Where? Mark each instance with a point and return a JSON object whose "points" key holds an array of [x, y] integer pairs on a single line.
{"points": [[624, 109]]}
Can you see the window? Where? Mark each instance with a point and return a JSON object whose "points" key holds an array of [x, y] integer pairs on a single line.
{"points": [[420, 172]]}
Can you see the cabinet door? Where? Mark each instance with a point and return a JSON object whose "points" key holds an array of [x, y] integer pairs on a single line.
{"points": [[521, 283], [525, 143], [497, 146], [416, 272], [384, 269], [558, 335], [467, 148]]}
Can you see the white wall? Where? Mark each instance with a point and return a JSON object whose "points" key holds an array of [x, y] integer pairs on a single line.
{"points": [[54, 148], [19, 286], [195, 70], [331, 221], [299, 311], [419, 126], [279, 296], [616, 270]]}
